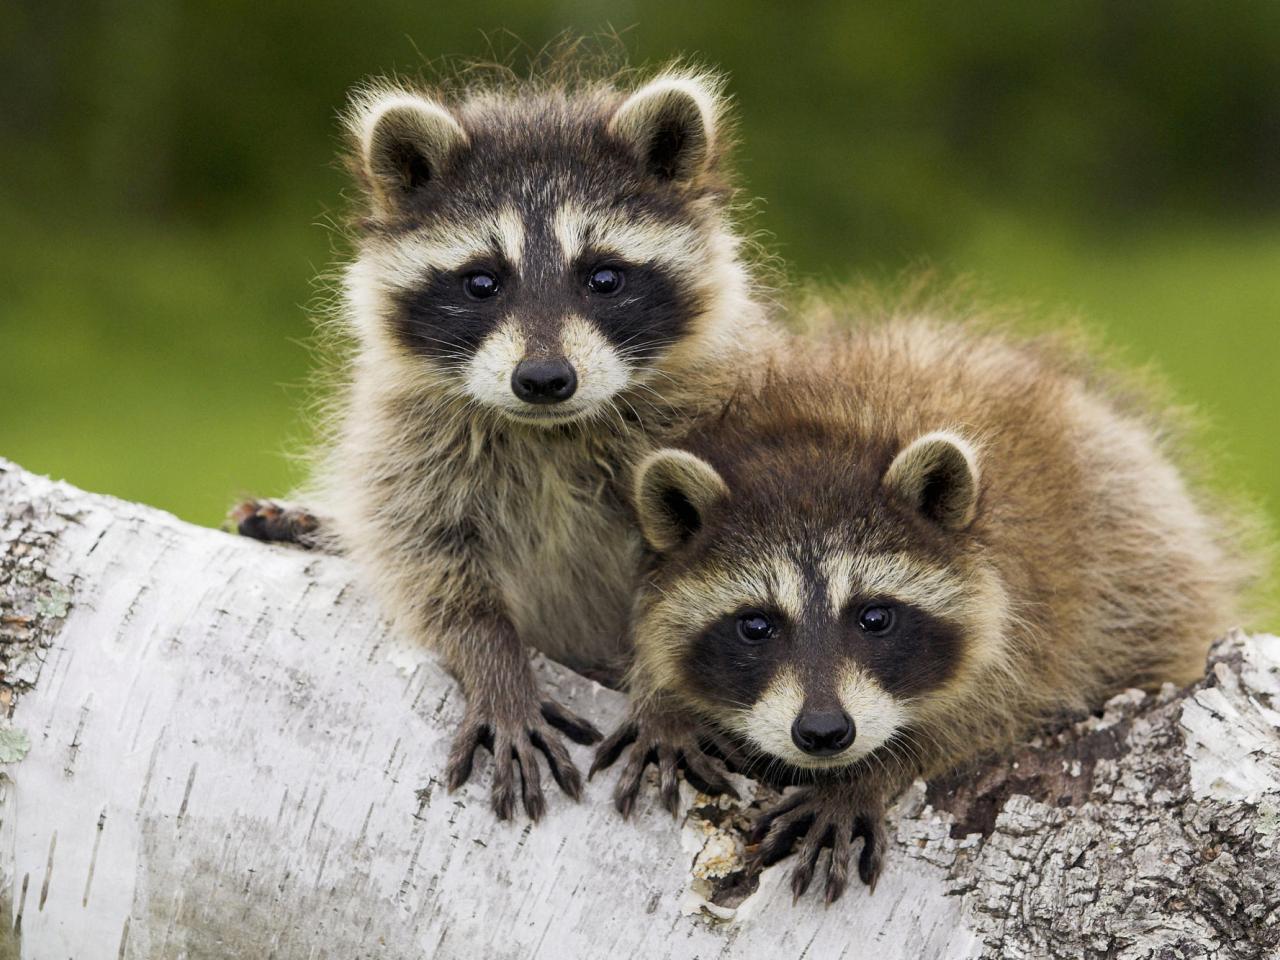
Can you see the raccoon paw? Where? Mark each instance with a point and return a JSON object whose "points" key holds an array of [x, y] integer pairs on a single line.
{"points": [[816, 818], [669, 741], [515, 747], [275, 522]]}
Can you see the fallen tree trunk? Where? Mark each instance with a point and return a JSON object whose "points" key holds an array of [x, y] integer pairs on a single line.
{"points": [[217, 749]]}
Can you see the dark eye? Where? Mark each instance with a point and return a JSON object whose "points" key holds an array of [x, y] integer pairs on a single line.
{"points": [[605, 281], [480, 285], [875, 619], [755, 628]]}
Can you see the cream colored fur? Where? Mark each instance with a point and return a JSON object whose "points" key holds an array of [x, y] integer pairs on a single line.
{"points": [[767, 723]]}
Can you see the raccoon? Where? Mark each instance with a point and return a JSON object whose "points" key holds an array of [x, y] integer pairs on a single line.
{"points": [[548, 280], [912, 545]]}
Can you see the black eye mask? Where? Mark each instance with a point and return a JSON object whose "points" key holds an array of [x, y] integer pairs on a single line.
{"points": [[443, 320], [724, 669], [910, 653], [648, 310]]}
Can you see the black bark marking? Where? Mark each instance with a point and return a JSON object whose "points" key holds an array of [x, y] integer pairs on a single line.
{"points": [[186, 796], [93, 857], [48, 871]]}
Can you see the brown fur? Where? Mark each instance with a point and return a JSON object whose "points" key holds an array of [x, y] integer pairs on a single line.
{"points": [[1086, 565]]}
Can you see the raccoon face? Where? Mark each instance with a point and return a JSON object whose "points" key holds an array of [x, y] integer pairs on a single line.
{"points": [[816, 641], [541, 254]]}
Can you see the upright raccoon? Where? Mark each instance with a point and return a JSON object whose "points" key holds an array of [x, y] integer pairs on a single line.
{"points": [[913, 545], [547, 280]]}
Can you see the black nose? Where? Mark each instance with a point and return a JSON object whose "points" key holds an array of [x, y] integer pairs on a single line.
{"points": [[823, 733], [544, 381]]}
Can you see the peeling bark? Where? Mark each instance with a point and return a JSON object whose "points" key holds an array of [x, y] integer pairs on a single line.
{"points": [[231, 756]]}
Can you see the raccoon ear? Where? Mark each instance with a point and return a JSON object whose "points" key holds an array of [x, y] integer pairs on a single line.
{"points": [[938, 475], [673, 492], [404, 141], [670, 125]]}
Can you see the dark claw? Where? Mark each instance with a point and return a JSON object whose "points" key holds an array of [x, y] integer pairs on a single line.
{"points": [[567, 776], [624, 798], [781, 838], [869, 866], [535, 805], [462, 755], [871, 860], [800, 879], [624, 794], [838, 867], [624, 801], [609, 751], [504, 787], [711, 787], [818, 837], [668, 784], [570, 724], [704, 777], [779, 811], [802, 875], [560, 763], [836, 883]]}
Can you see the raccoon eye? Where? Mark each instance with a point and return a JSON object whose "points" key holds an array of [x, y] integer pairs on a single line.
{"points": [[480, 285], [755, 628], [875, 619], [605, 281]]}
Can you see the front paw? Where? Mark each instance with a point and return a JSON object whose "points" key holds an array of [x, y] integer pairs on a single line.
{"points": [[813, 818], [668, 740], [274, 522], [515, 745]]}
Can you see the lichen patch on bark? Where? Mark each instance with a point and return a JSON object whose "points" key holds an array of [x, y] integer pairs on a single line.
{"points": [[33, 603]]}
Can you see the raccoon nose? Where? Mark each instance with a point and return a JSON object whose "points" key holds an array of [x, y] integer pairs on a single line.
{"points": [[823, 733], [544, 381]]}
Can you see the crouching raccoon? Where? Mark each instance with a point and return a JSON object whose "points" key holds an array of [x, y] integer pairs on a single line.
{"points": [[912, 545]]}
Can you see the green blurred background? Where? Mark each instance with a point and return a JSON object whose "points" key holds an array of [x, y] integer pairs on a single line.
{"points": [[168, 177]]}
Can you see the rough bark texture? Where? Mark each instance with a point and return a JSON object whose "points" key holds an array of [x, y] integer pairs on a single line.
{"points": [[216, 749]]}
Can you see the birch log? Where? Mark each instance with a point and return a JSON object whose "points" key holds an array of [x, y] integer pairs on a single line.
{"points": [[215, 748]]}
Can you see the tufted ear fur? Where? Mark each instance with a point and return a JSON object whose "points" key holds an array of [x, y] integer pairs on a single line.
{"points": [[937, 474], [673, 491], [670, 125], [405, 142]]}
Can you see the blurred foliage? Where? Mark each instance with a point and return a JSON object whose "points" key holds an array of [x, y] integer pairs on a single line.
{"points": [[168, 178]]}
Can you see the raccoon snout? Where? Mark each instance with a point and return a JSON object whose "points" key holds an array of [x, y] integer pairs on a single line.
{"points": [[823, 733], [544, 381]]}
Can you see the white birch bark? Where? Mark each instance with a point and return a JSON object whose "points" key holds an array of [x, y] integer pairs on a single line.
{"points": [[217, 749]]}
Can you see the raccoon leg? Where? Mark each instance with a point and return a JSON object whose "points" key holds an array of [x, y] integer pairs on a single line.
{"points": [[830, 814], [276, 522], [507, 715], [658, 734]]}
